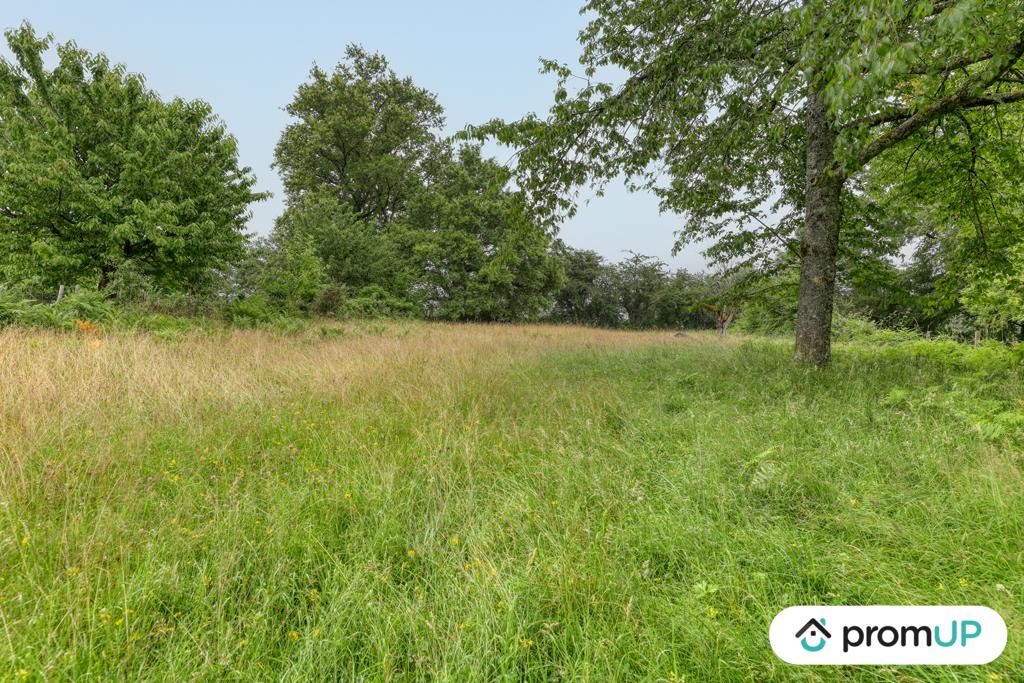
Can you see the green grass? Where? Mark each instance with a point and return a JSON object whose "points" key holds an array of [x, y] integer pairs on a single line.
{"points": [[557, 508]]}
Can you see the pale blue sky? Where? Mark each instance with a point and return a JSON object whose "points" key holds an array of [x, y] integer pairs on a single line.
{"points": [[246, 59]]}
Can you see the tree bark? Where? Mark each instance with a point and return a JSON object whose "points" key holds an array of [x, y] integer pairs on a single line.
{"points": [[820, 241]]}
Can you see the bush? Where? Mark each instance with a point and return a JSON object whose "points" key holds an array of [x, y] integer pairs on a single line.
{"points": [[761, 319], [252, 311], [329, 301], [86, 305], [128, 285], [376, 302], [13, 306], [865, 338]]}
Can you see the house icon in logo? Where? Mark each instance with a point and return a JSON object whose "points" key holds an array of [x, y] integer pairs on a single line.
{"points": [[817, 630]]}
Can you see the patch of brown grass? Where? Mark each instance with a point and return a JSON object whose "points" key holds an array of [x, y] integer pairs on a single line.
{"points": [[51, 380]]}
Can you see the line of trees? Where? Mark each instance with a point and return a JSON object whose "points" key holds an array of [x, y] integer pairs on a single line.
{"points": [[814, 143], [640, 292], [107, 186]]}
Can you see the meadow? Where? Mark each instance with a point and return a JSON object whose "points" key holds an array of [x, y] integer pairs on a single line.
{"points": [[412, 501]]}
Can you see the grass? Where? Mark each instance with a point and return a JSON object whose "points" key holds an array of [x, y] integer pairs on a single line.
{"points": [[413, 501]]}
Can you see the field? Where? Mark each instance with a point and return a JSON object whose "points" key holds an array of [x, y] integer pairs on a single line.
{"points": [[412, 501]]}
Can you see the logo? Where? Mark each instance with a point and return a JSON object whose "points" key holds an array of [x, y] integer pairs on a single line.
{"points": [[888, 635], [815, 627]]}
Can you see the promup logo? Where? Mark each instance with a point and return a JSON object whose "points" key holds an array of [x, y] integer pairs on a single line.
{"points": [[815, 627], [888, 635]]}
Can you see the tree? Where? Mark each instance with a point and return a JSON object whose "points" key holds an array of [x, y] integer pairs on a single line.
{"points": [[354, 253], [997, 302], [385, 202], [681, 302], [747, 115], [288, 272], [957, 192], [640, 281], [361, 133], [96, 171], [478, 252], [588, 295], [721, 294]]}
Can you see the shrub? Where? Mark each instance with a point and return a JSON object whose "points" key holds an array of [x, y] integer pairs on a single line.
{"points": [[252, 311], [329, 301], [13, 306], [376, 302]]}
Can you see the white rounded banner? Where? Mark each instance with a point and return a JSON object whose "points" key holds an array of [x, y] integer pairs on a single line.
{"points": [[881, 634]]}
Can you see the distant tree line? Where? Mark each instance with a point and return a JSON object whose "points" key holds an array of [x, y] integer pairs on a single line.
{"points": [[638, 292]]}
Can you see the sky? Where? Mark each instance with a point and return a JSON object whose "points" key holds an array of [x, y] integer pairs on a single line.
{"points": [[480, 58]]}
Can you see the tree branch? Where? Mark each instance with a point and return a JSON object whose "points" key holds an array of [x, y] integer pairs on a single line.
{"points": [[903, 113], [961, 63], [966, 95]]}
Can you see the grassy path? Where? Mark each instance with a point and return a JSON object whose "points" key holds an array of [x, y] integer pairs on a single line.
{"points": [[480, 503]]}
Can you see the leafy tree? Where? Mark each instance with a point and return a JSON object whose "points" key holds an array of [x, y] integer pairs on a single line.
{"points": [[385, 203], [957, 191], [744, 115], [997, 302], [97, 171], [640, 281], [353, 252], [479, 254], [361, 133], [682, 302], [281, 272], [588, 295], [638, 292]]}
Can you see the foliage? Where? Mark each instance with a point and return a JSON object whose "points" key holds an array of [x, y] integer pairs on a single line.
{"points": [[97, 171], [354, 253], [588, 295], [997, 301], [376, 302], [638, 292], [360, 134], [252, 311], [384, 203], [957, 192], [476, 252], [746, 117], [85, 305], [292, 273]]}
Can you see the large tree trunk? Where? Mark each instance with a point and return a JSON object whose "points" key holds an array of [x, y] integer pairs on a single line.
{"points": [[822, 215]]}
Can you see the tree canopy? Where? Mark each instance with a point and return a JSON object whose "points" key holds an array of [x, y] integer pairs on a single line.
{"points": [[387, 202], [360, 132], [97, 171]]}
